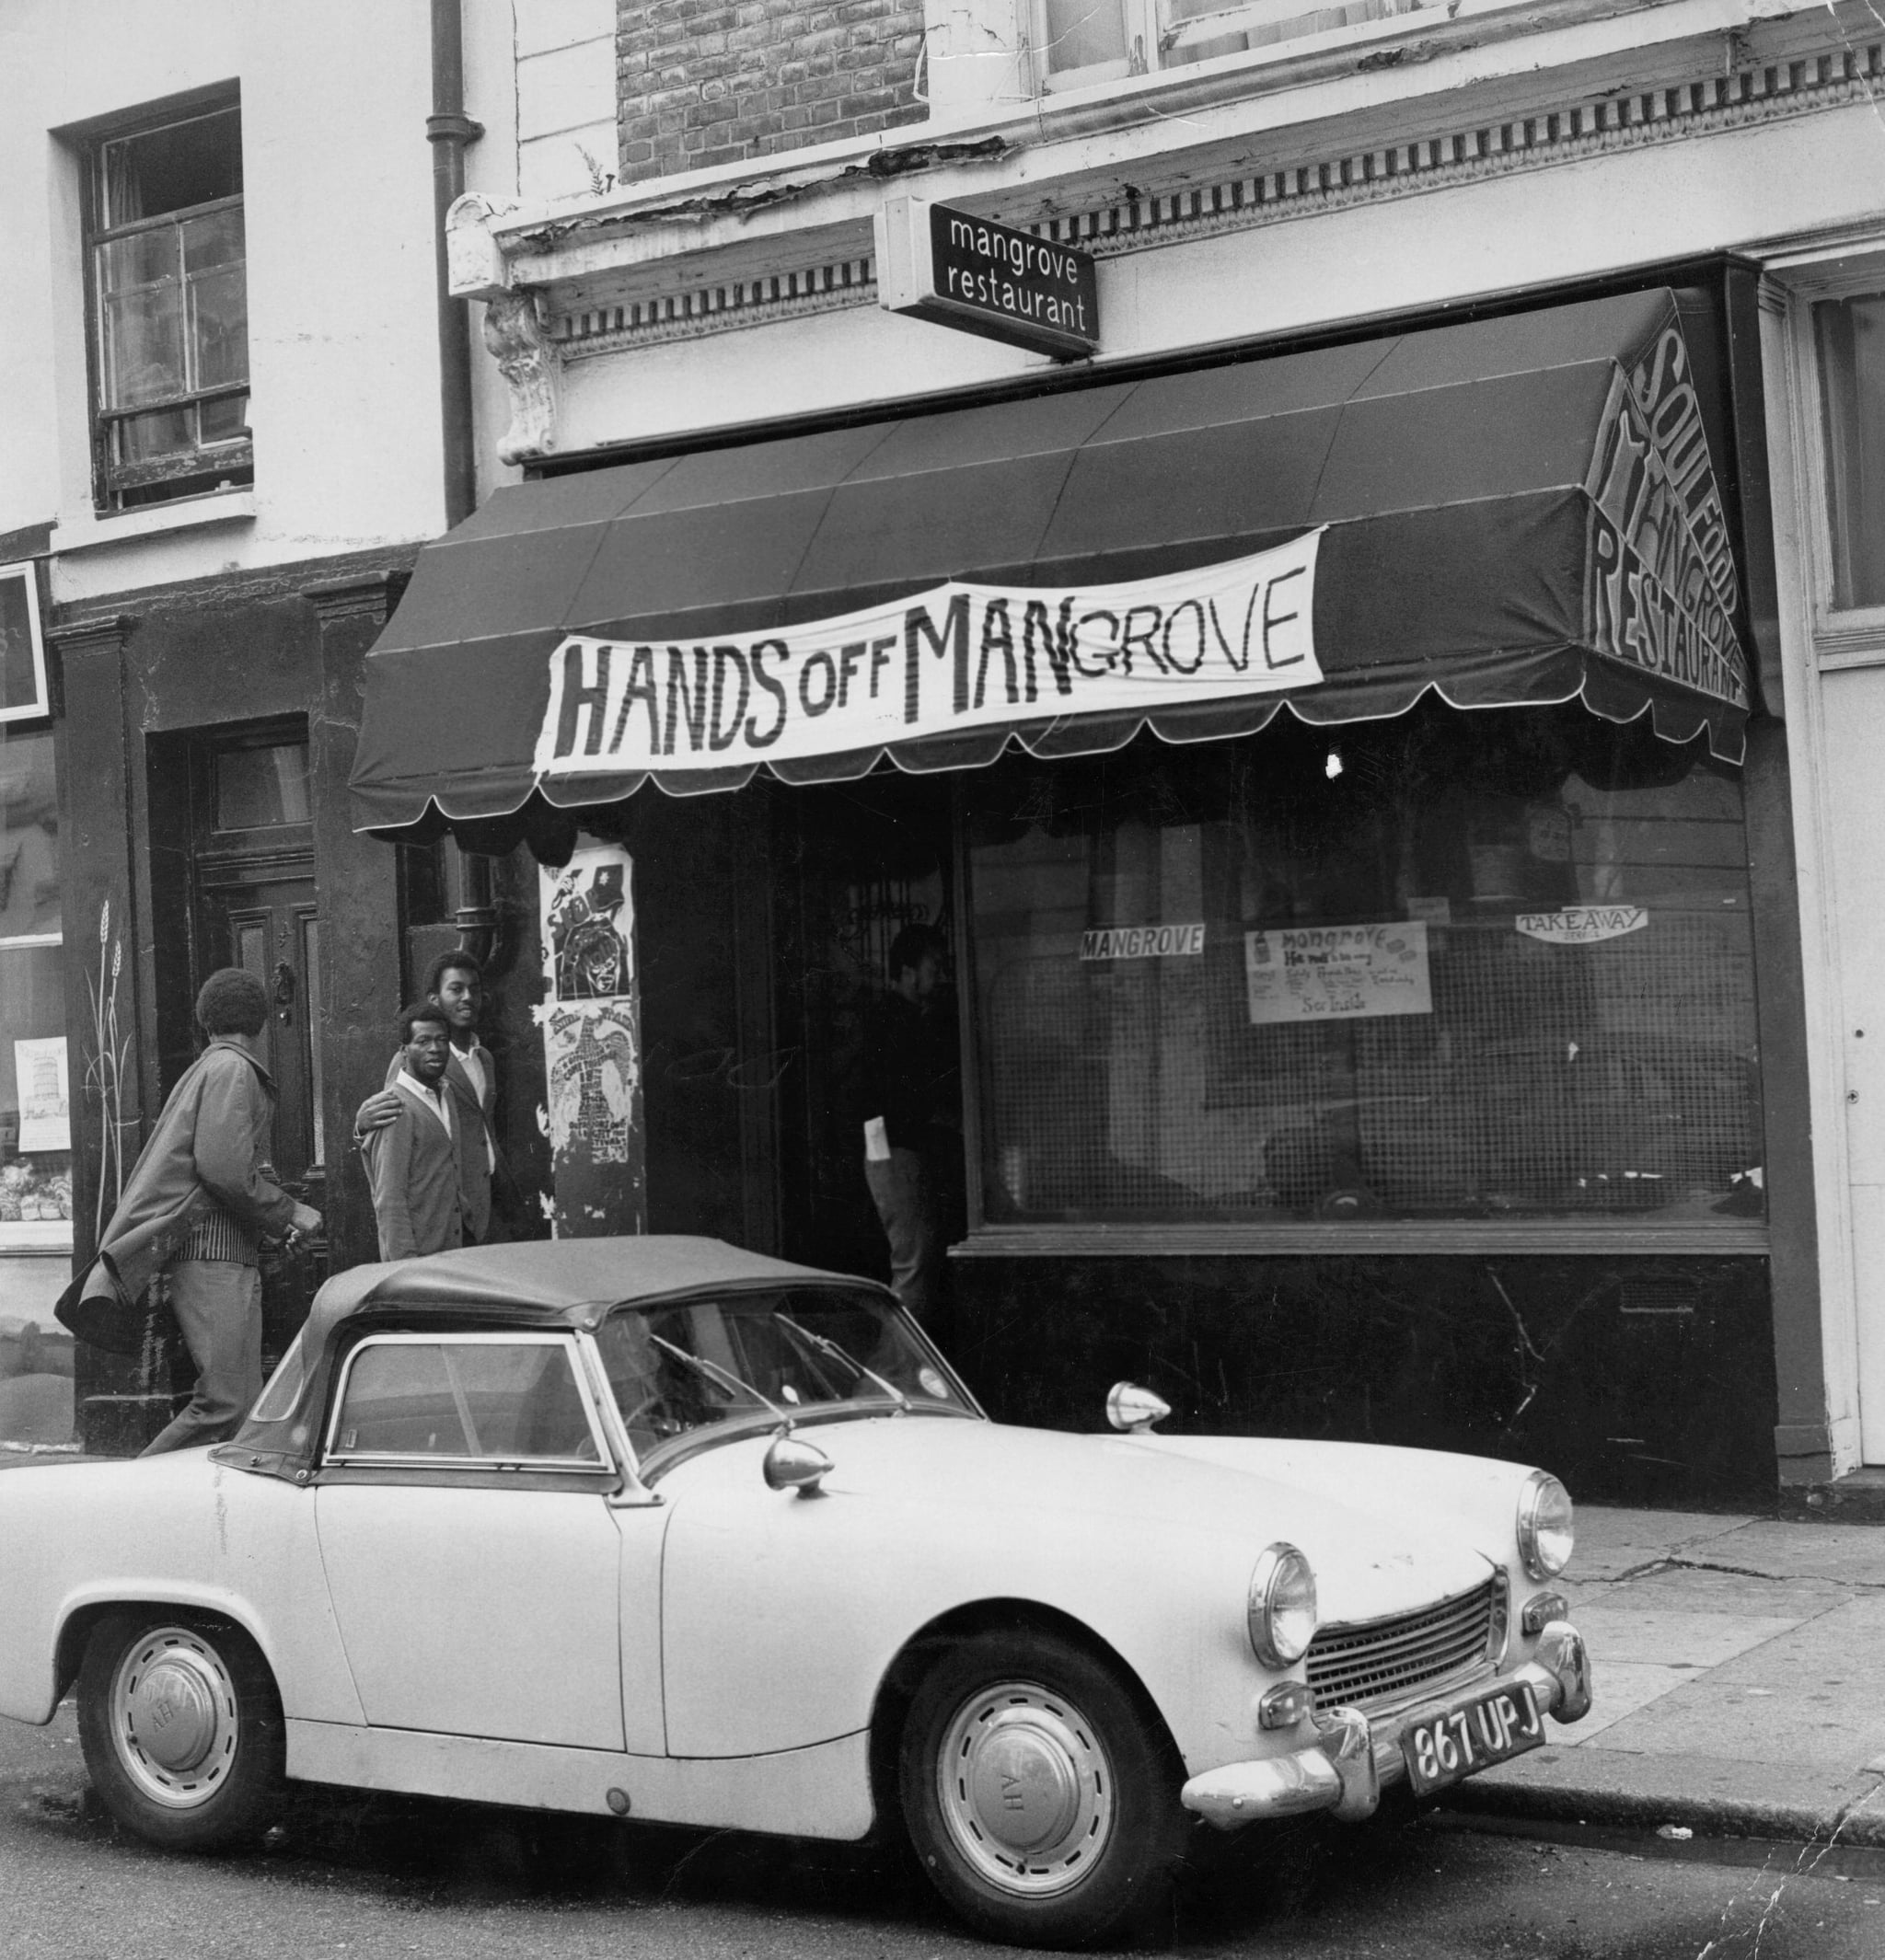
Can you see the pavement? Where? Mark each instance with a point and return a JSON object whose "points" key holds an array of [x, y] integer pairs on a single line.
{"points": [[1739, 1679]]}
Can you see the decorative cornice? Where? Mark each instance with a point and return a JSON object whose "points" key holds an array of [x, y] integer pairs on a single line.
{"points": [[718, 308], [1593, 125], [370, 596], [1753, 92], [531, 363], [98, 633]]}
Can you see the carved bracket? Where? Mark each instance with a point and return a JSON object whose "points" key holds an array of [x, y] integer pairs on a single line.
{"points": [[532, 369]]}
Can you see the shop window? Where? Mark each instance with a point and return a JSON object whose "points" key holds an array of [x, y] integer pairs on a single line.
{"points": [[1079, 42], [1850, 335], [1449, 966], [170, 304], [36, 1080]]}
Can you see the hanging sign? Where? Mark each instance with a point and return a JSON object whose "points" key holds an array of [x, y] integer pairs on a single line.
{"points": [[1337, 973], [937, 264], [954, 658]]}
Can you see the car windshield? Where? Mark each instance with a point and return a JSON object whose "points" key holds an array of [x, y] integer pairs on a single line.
{"points": [[690, 1371]]}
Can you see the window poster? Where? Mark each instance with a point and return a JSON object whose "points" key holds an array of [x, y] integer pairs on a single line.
{"points": [[1337, 973], [45, 1112]]}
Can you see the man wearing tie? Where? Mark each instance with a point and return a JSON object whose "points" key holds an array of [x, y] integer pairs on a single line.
{"points": [[413, 1161]]}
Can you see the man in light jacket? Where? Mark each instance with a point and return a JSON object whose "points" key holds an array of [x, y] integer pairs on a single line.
{"points": [[197, 1204], [455, 987], [413, 1162]]}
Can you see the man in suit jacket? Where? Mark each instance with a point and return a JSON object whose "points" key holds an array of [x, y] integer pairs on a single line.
{"points": [[413, 1161], [455, 987]]}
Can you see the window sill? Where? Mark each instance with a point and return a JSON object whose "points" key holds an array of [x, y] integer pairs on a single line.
{"points": [[34, 1236], [1374, 1237], [122, 527]]}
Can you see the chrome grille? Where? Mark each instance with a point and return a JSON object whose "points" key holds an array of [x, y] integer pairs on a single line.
{"points": [[1382, 1661]]}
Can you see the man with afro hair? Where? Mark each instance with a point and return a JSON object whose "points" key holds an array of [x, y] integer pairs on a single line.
{"points": [[197, 1206]]}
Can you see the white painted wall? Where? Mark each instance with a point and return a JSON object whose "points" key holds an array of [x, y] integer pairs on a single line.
{"points": [[1626, 207], [565, 96], [343, 346], [1853, 778]]}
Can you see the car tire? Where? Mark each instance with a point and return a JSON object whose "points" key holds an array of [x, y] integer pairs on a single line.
{"points": [[1040, 1792], [182, 1729]]}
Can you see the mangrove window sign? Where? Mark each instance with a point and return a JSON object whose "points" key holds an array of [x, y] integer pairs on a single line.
{"points": [[942, 661], [949, 266]]}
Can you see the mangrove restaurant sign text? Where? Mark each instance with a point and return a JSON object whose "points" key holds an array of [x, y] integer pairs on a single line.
{"points": [[949, 266], [954, 658]]}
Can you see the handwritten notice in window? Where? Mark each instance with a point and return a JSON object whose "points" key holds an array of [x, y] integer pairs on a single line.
{"points": [[1336, 973], [38, 1068]]}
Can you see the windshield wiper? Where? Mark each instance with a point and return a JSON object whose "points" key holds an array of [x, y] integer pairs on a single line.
{"points": [[723, 1378], [826, 1345]]}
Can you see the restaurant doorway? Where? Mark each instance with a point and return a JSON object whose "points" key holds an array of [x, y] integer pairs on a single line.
{"points": [[858, 862]]}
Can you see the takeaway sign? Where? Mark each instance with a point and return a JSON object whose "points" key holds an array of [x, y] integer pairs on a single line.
{"points": [[954, 658], [937, 264]]}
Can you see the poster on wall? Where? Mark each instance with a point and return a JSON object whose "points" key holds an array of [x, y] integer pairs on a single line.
{"points": [[23, 695], [1337, 973], [46, 1110], [591, 1022]]}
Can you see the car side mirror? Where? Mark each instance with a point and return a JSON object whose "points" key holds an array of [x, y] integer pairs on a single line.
{"points": [[1133, 1408], [792, 1464]]}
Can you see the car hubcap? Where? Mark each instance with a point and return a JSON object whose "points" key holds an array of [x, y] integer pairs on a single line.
{"points": [[173, 1717], [1025, 1787]]}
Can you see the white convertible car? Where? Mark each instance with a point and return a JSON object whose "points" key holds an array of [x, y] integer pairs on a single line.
{"points": [[660, 1528]]}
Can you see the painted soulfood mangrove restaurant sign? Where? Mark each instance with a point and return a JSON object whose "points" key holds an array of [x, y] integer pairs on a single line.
{"points": [[950, 659], [937, 264]]}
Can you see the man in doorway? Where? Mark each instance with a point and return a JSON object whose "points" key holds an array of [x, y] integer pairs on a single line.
{"points": [[455, 987], [912, 1101], [413, 1162], [197, 1206]]}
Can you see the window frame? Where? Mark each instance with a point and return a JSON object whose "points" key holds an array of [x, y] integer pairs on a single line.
{"points": [[1150, 23], [1841, 635], [230, 461], [510, 1468]]}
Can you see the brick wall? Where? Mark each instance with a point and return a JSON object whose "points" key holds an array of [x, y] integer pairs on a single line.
{"points": [[705, 82]]}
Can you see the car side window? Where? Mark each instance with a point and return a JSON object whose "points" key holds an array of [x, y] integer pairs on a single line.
{"points": [[476, 1398]]}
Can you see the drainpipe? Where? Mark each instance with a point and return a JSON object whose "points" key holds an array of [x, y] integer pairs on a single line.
{"points": [[450, 132]]}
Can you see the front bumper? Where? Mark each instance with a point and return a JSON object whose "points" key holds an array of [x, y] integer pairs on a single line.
{"points": [[1345, 1770]]}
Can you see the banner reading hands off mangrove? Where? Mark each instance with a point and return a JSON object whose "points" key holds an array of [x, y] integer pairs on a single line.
{"points": [[954, 658]]}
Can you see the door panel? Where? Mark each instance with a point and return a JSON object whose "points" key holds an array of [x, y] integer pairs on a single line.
{"points": [[265, 917], [471, 1611]]}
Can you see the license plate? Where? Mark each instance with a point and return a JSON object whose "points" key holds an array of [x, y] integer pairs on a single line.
{"points": [[1491, 1728]]}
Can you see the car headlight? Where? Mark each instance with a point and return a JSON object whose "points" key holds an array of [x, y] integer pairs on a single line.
{"points": [[1282, 1606], [1546, 1535]]}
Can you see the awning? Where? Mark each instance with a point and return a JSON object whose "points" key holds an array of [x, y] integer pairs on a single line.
{"points": [[1506, 513]]}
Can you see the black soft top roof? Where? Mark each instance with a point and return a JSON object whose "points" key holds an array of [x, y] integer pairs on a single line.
{"points": [[558, 1283]]}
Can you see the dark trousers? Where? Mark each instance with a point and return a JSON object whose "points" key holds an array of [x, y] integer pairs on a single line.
{"points": [[218, 1305]]}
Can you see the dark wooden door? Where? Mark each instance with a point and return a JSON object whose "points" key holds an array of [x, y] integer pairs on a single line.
{"points": [[265, 916], [254, 903]]}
